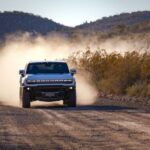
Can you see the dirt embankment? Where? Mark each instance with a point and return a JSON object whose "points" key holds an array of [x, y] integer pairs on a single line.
{"points": [[137, 102]]}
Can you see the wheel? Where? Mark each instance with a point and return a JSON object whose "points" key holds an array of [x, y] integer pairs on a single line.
{"points": [[70, 99], [25, 99], [65, 102]]}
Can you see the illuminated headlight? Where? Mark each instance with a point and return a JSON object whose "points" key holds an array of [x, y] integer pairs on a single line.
{"points": [[70, 87], [28, 88], [68, 81], [31, 81]]}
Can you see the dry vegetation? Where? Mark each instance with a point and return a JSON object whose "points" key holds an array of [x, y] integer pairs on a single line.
{"points": [[115, 73]]}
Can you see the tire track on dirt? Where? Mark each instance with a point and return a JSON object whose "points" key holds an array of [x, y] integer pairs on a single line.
{"points": [[73, 128]]}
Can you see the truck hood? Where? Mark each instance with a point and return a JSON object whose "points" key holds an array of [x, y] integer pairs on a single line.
{"points": [[49, 77]]}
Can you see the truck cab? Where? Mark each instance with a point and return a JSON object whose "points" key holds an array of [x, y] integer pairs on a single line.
{"points": [[47, 81]]}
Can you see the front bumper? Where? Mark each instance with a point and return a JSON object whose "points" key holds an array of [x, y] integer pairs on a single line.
{"points": [[48, 93]]}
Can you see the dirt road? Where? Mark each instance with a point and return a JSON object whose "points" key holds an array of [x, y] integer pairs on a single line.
{"points": [[84, 127]]}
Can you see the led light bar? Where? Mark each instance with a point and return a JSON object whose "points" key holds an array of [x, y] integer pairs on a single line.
{"points": [[50, 81]]}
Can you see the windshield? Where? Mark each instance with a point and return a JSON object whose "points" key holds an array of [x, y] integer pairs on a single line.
{"points": [[47, 68]]}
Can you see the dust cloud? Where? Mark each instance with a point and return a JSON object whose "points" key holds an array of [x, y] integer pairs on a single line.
{"points": [[18, 50], [86, 93]]}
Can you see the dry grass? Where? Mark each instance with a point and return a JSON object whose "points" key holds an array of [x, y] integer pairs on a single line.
{"points": [[115, 73]]}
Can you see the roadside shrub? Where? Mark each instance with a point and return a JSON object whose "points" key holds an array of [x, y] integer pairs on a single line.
{"points": [[115, 73], [139, 90]]}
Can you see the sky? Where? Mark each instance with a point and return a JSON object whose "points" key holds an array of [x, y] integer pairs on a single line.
{"points": [[74, 12]]}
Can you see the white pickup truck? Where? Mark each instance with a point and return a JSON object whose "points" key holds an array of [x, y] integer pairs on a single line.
{"points": [[47, 81]]}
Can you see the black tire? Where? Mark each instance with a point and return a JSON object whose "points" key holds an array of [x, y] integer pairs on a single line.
{"points": [[71, 99], [65, 102], [25, 99]]}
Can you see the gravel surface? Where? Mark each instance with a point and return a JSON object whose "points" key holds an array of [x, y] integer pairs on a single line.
{"points": [[84, 127]]}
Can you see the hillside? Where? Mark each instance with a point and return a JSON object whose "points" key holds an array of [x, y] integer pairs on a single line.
{"points": [[108, 23], [11, 22]]}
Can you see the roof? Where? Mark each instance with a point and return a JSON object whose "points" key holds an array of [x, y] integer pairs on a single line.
{"points": [[57, 61]]}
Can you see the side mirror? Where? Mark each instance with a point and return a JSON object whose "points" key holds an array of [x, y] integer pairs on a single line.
{"points": [[73, 71], [22, 72]]}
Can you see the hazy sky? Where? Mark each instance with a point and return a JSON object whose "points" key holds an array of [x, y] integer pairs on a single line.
{"points": [[74, 12]]}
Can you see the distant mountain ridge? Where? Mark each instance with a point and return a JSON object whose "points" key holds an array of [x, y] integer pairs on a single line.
{"points": [[15, 21], [108, 23], [11, 22]]}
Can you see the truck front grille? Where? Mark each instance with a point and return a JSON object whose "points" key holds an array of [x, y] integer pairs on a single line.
{"points": [[49, 88]]}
